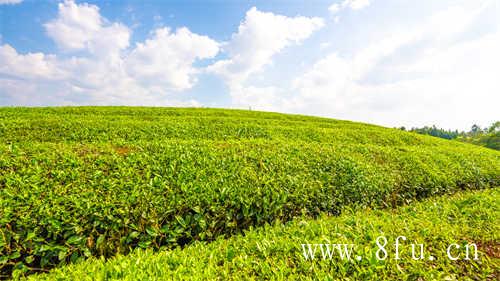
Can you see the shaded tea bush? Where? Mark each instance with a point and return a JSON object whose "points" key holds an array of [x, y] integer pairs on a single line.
{"points": [[82, 182]]}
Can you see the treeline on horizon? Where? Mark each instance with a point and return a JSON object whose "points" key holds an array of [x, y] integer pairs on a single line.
{"points": [[487, 137]]}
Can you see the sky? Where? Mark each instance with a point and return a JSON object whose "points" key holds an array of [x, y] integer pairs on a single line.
{"points": [[392, 63]]}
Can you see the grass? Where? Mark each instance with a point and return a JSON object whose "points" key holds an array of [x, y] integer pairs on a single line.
{"points": [[274, 251], [80, 182]]}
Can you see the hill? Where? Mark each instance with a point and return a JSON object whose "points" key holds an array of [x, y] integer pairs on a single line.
{"points": [[487, 137], [78, 182], [275, 251]]}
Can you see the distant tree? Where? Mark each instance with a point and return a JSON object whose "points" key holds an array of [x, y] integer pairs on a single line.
{"points": [[436, 132], [488, 137], [495, 127], [475, 129]]}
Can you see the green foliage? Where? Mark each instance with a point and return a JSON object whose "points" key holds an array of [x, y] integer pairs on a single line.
{"points": [[273, 252], [489, 137], [87, 181], [436, 132]]}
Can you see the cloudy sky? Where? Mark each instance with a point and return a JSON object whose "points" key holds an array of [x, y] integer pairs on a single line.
{"points": [[391, 63]]}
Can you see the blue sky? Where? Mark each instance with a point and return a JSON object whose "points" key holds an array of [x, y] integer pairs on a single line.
{"points": [[391, 63]]}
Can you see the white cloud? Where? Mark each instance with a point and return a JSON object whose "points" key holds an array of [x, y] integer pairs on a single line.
{"points": [[167, 58], [101, 67], [334, 8], [29, 66], [357, 4], [81, 27], [261, 98], [351, 4], [335, 71], [324, 45], [260, 36], [448, 78], [10, 2], [442, 70]]}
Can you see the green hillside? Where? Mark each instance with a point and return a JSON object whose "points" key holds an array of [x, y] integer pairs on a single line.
{"points": [[274, 252], [79, 182]]}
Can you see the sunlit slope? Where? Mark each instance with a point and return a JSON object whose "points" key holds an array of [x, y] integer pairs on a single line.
{"points": [[80, 182], [275, 252]]}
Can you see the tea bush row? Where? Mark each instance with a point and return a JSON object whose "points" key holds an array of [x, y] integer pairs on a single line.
{"points": [[101, 181], [274, 252]]}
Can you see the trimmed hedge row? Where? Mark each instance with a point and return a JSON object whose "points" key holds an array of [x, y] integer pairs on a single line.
{"points": [[274, 252], [124, 125], [65, 200]]}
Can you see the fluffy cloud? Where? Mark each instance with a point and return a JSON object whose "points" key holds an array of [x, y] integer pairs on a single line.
{"points": [[260, 36], [440, 71], [101, 67], [334, 72], [351, 4], [29, 66], [7, 2], [167, 58], [434, 73], [449, 76], [81, 27]]}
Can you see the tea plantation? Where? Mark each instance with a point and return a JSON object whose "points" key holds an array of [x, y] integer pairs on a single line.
{"points": [[85, 182], [274, 251]]}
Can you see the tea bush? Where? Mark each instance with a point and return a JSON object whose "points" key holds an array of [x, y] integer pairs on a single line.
{"points": [[274, 252], [78, 182]]}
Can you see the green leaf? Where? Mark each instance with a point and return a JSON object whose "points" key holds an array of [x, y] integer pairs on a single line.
{"points": [[151, 231], [100, 240], [30, 236], [62, 255], [74, 239], [144, 244], [29, 259], [134, 234]]}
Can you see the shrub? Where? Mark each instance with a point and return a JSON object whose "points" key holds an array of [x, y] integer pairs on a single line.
{"points": [[82, 182]]}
